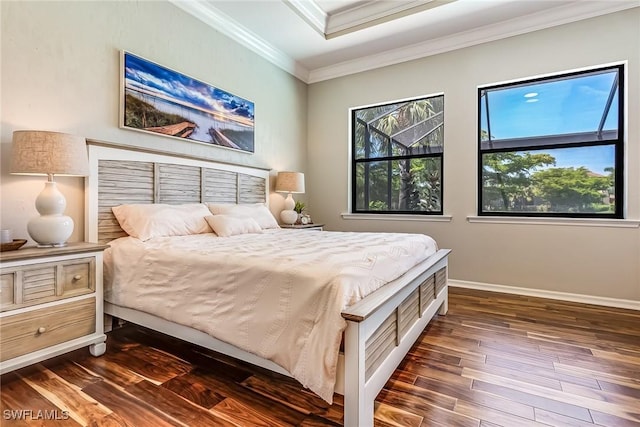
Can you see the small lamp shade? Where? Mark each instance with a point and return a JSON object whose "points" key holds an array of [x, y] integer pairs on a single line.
{"points": [[289, 182], [49, 153]]}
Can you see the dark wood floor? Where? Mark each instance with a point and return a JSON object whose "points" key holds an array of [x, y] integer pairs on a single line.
{"points": [[495, 359]]}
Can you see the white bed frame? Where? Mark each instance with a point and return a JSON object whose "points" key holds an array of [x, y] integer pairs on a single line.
{"points": [[381, 328]]}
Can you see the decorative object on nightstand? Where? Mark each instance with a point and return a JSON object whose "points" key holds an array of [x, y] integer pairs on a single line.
{"points": [[15, 244], [289, 182], [50, 303], [49, 153], [303, 218]]}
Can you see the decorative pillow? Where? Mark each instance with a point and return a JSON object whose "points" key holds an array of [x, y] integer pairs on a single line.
{"points": [[225, 225], [257, 211], [146, 221]]}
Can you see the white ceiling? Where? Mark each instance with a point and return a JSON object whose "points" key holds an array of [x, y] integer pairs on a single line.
{"points": [[317, 40]]}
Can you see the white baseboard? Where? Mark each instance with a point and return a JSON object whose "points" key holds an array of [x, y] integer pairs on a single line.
{"points": [[564, 296]]}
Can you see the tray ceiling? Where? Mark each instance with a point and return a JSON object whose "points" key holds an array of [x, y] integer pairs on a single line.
{"points": [[317, 40]]}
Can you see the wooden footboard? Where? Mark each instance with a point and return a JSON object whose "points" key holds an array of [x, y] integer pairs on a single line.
{"points": [[380, 331]]}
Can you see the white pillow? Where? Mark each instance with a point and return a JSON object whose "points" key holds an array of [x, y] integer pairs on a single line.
{"points": [[257, 211], [225, 225], [146, 221]]}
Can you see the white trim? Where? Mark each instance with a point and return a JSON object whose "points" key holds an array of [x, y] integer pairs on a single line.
{"points": [[576, 11], [396, 217], [625, 137], [580, 222], [371, 13], [558, 16], [311, 13], [362, 15], [541, 293], [210, 15]]}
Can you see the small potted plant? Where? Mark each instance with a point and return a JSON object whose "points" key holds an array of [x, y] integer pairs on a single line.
{"points": [[299, 208]]}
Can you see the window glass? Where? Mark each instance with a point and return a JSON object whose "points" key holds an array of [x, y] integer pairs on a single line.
{"points": [[564, 180], [397, 157], [552, 146]]}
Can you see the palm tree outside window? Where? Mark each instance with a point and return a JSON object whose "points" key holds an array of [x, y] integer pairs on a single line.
{"points": [[397, 157]]}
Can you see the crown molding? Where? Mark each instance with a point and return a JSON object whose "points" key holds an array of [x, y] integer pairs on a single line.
{"points": [[221, 22], [363, 15], [311, 13], [372, 12], [539, 21]]}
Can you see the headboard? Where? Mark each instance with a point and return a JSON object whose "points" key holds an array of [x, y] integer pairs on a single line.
{"points": [[120, 175]]}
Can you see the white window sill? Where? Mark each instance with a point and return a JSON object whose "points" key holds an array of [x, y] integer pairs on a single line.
{"points": [[581, 222], [397, 217]]}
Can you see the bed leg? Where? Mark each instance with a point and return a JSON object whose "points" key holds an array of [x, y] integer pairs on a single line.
{"points": [[444, 307], [358, 412]]}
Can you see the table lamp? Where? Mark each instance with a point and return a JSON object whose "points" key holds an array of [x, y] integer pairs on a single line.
{"points": [[49, 153], [289, 182]]}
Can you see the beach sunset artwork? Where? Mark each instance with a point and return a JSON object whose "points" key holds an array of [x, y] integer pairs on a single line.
{"points": [[159, 100]]}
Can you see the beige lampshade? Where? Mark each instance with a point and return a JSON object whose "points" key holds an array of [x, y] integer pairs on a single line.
{"points": [[48, 153], [290, 182]]}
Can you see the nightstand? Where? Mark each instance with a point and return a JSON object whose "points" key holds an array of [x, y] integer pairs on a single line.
{"points": [[313, 227], [50, 303]]}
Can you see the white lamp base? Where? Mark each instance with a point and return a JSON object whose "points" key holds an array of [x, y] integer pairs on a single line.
{"points": [[51, 228], [288, 217]]}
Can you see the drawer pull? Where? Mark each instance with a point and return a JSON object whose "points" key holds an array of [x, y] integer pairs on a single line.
{"points": [[42, 330], [77, 277]]}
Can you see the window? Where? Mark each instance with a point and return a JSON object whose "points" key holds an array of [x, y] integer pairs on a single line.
{"points": [[553, 146], [397, 157]]}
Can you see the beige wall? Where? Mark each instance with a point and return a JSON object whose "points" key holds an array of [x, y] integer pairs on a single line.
{"points": [[586, 260], [60, 72]]}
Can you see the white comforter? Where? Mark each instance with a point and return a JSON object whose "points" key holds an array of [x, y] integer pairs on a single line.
{"points": [[278, 294]]}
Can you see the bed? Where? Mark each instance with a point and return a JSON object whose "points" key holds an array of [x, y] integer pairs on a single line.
{"points": [[379, 325]]}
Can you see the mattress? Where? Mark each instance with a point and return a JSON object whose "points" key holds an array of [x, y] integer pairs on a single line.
{"points": [[278, 294]]}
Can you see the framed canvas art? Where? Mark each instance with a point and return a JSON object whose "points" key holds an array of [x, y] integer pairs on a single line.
{"points": [[162, 101]]}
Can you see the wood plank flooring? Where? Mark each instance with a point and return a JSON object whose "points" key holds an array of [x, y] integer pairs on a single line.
{"points": [[494, 360]]}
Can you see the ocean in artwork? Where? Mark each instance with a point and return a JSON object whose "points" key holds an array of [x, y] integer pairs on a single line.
{"points": [[163, 101]]}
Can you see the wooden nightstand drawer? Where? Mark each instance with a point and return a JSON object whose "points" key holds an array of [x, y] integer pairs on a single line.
{"points": [[76, 278], [45, 282], [34, 330]]}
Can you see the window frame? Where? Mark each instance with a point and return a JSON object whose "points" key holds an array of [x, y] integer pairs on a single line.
{"points": [[617, 143], [354, 161]]}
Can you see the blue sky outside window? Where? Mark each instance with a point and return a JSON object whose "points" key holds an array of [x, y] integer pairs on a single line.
{"points": [[565, 128], [559, 107]]}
